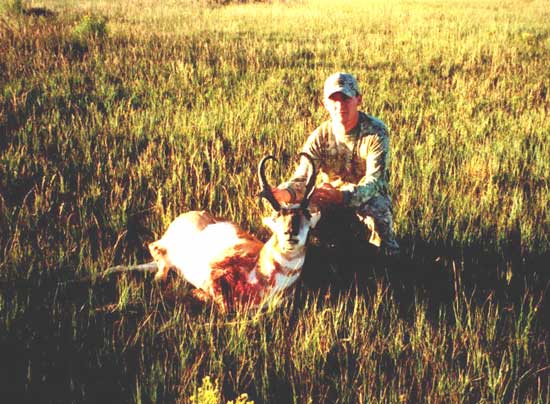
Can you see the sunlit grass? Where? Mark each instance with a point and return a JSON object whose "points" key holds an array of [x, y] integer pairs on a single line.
{"points": [[180, 113]]}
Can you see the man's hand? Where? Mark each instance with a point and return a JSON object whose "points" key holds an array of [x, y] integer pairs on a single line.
{"points": [[323, 196], [282, 195], [326, 195]]}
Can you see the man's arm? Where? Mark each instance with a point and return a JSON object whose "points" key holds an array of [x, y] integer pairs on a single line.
{"points": [[293, 189]]}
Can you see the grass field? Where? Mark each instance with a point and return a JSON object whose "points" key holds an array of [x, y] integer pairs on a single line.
{"points": [[117, 116]]}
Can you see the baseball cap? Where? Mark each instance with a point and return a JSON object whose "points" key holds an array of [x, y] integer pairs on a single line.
{"points": [[341, 82]]}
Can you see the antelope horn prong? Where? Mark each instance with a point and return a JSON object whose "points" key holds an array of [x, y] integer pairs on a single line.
{"points": [[265, 191]]}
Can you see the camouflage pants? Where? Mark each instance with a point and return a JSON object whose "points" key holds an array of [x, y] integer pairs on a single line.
{"points": [[376, 215], [372, 221]]}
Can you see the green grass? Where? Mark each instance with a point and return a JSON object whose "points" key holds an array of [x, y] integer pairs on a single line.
{"points": [[356, 346], [116, 117]]}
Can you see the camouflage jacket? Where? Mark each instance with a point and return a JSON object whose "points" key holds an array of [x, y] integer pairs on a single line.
{"points": [[357, 164]]}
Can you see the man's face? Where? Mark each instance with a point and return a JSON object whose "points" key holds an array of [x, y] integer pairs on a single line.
{"points": [[343, 109]]}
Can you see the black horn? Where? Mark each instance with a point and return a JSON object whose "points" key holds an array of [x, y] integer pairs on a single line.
{"points": [[265, 191], [310, 180]]}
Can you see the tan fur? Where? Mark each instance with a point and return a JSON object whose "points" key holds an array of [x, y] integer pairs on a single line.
{"points": [[199, 218]]}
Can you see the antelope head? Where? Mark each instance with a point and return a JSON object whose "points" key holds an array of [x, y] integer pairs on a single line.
{"points": [[290, 223]]}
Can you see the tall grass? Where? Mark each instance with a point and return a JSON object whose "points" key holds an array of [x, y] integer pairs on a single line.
{"points": [[171, 109], [117, 117], [356, 346]]}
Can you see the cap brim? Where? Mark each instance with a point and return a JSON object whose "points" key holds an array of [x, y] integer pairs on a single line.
{"points": [[348, 92]]}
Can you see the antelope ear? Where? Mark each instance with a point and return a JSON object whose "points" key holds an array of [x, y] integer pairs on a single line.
{"points": [[269, 222], [315, 216]]}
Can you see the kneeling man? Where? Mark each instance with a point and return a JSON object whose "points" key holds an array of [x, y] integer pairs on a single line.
{"points": [[351, 154]]}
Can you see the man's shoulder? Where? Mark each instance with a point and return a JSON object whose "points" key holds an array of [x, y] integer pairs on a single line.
{"points": [[372, 125], [318, 140]]}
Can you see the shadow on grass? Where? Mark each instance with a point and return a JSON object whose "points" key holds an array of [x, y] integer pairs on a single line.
{"points": [[430, 272], [83, 342]]}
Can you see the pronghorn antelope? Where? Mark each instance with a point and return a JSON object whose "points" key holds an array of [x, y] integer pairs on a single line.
{"points": [[232, 266]]}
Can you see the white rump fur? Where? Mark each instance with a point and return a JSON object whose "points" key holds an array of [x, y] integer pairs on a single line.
{"points": [[191, 252]]}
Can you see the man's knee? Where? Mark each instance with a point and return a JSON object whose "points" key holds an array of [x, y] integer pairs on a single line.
{"points": [[377, 217]]}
